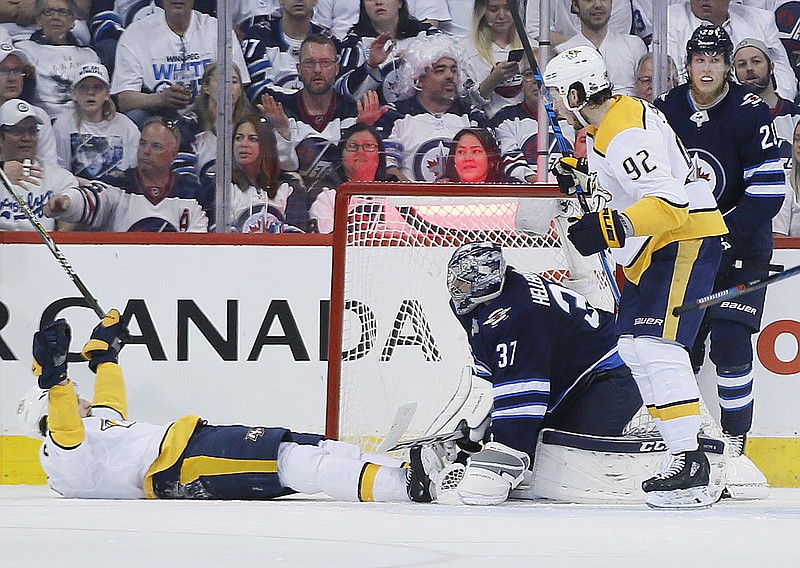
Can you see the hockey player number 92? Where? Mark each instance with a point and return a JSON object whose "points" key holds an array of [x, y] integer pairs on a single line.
{"points": [[632, 168]]}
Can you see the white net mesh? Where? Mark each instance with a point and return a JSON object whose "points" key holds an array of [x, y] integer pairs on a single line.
{"points": [[400, 341]]}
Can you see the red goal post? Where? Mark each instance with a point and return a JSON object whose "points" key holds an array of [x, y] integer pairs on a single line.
{"points": [[392, 337]]}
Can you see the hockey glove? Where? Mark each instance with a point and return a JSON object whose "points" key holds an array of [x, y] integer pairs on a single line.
{"points": [[50, 349], [492, 473], [728, 260], [597, 231], [571, 172], [108, 338]]}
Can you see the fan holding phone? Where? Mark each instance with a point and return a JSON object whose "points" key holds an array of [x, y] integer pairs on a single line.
{"points": [[493, 53]]}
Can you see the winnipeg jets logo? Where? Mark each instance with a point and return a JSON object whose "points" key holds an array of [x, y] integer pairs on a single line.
{"points": [[497, 316], [430, 159], [751, 99], [699, 118], [710, 169]]}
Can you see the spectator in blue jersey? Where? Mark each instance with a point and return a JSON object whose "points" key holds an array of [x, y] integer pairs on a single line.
{"points": [[94, 139], [362, 157], [198, 151], [475, 158], [729, 134], [147, 198], [419, 130], [55, 53], [261, 194], [272, 47], [551, 357], [373, 50]]}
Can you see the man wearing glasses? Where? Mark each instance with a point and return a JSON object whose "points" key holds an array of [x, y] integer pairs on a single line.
{"points": [[35, 180], [310, 121]]}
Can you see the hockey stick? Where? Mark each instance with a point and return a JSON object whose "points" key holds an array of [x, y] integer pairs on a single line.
{"points": [[552, 116], [48, 240], [426, 440], [718, 297], [402, 420]]}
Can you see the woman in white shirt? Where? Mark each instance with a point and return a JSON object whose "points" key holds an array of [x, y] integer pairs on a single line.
{"points": [[94, 140], [262, 198], [497, 76]]}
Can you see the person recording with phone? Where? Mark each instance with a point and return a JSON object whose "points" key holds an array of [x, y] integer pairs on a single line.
{"points": [[493, 53]]}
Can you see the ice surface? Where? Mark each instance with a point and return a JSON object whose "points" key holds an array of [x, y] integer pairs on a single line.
{"points": [[40, 529]]}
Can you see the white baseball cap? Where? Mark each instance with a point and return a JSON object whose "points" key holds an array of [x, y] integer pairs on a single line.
{"points": [[97, 70], [7, 49], [13, 111]]}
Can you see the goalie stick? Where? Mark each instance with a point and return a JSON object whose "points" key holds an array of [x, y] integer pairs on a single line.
{"points": [[48, 240], [458, 434], [718, 297], [552, 116], [402, 420]]}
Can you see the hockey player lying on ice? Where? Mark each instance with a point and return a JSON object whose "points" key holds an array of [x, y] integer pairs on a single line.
{"points": [[92, 450]]}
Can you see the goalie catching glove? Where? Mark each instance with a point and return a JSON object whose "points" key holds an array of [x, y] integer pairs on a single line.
{"points": [[572, 173], [50, 349], [108, 338], [597, 231]]}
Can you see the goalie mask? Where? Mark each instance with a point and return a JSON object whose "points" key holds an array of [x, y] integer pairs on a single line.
{"points": [[580, 68], [475, 274]]}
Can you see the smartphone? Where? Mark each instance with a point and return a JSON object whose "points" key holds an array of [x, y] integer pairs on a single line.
{"points": [[516, 55]]}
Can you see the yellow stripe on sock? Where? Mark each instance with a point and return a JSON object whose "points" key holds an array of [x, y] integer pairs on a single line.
{"points": [[198, 466], [366, 482], [680, 410]]}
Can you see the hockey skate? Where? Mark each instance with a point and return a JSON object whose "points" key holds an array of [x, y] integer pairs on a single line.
{"points": [[426, 464], [682, 482], [743, 479]]}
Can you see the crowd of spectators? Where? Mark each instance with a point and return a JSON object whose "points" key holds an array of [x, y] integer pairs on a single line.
{"points": [[122, 97]]}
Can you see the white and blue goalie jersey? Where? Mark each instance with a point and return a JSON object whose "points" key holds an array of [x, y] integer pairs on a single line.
{"points": [[538, 343]]}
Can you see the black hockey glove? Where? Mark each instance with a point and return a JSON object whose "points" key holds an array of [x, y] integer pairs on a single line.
{"points": [[50, 349], [728, 259], [570, 171], [597, 231], [108, 338]]}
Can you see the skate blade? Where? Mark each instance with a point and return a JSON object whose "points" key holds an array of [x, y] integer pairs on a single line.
{"points": [[692, 498]]}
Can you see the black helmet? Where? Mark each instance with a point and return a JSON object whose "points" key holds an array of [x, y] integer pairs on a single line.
{"points": [[710, 39]]}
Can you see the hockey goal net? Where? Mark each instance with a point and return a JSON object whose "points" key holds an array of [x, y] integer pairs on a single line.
{"points": [[393, 338]]}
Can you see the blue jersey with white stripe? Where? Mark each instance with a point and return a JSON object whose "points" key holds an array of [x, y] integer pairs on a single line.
{"points": [[538, 343], [735, 146]]}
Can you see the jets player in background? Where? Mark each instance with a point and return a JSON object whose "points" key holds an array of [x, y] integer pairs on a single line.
{"points": [[552, 360], [92, 450], [663, 227], [729, 133]]}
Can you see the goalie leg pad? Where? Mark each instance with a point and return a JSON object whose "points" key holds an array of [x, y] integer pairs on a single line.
{"points": [[744, 481], [492, 473]]}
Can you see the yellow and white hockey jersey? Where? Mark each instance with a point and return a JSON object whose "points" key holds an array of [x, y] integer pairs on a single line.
{"points": [[639, 159], [104, 456]]}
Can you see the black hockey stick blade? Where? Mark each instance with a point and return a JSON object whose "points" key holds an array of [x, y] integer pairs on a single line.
{"points": [[738, 290]]}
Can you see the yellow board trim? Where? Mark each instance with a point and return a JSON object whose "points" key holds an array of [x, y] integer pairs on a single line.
{"points": [[678, 411], [366, 483], [19, 461], [777, 458], [199, 466]]}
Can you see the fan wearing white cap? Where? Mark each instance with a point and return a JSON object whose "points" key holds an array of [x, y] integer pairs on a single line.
{"points": [[17, 77], [664, 229], [36, 181], [56, 54], [94, 140]]}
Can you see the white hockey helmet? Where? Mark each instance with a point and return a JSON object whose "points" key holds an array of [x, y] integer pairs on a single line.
{"points": [[582, 66], [32, 413]]}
